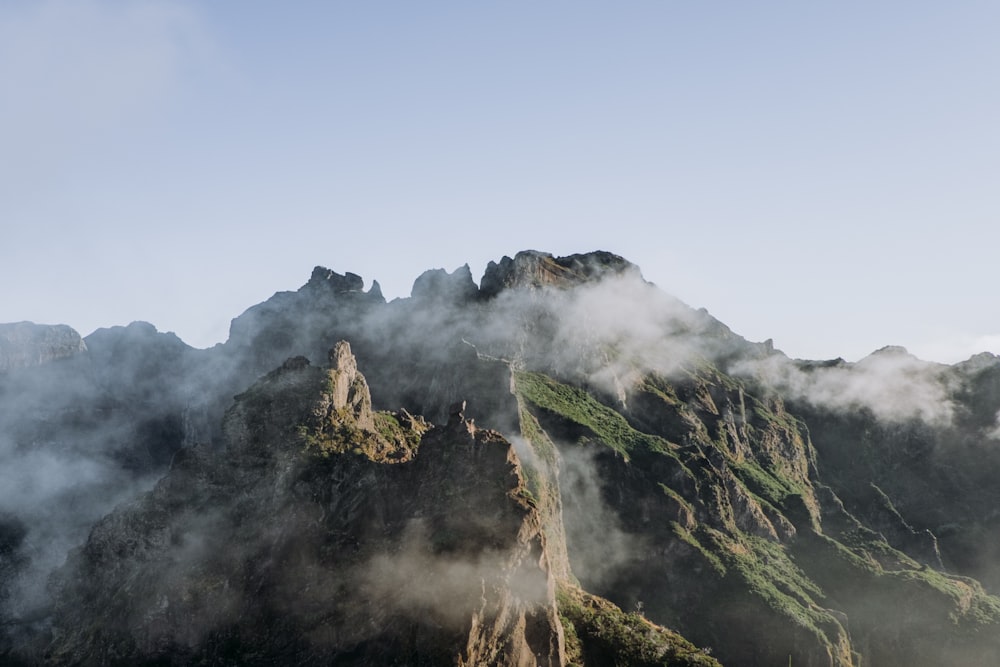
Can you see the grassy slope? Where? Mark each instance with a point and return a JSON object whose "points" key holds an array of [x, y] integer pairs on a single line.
{"points": [[796, 581]]}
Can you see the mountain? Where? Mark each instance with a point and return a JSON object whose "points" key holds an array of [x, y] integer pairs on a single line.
{"points": [[561, 465], [26, 344]]}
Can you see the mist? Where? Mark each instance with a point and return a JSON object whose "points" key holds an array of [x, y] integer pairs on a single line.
{"points": [[892, 384], [84, 434], [86, 425], [94, 431], [587, 514]]}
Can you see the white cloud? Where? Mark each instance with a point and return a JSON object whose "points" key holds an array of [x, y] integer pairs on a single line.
{"points": [[893, 384]]}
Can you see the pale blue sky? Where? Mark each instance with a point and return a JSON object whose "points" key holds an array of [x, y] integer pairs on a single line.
{"points": [[822, 173]]}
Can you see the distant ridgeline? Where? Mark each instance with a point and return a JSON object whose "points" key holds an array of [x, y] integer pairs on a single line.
{"points": [[561, 465], [26, 344]]}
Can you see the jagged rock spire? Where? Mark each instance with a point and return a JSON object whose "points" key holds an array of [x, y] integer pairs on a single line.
{"points": [[533, 269], [348, 388]]}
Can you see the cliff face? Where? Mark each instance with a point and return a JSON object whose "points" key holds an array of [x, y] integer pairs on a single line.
{"points": [[325, 532], [607, 463], [25, 344], [531, 269]]}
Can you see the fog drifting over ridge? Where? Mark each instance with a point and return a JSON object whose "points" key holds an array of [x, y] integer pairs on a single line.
{"points": [[948, 347], [123, 148], [98, 428], [610, 332]]}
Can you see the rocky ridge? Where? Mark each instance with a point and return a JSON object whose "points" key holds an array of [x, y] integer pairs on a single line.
{"points": [[733, 501], [26, 344], [289, 548]]}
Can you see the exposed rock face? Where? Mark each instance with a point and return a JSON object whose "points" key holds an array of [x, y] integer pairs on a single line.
{"points": [[349, 394], [323, 278], [649, 468], [78, 435], [156, 375], [282, 551], [533, 269], [457, 287], [26, 344]]}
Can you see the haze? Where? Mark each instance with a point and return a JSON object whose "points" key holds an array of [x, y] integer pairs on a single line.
{"points": [[822, 175]]}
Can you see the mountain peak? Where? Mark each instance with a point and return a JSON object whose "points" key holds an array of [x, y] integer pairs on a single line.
{"points": [[24, 344], [324, 277], [457, 286], [531, 269], [349, 391], [892, 351], [592, 445]]}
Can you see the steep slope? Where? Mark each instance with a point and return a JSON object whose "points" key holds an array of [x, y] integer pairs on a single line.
{"points": [[928, 485], [718, 525], [649, 469], [26, 344], [80, 433], [293, 547]]}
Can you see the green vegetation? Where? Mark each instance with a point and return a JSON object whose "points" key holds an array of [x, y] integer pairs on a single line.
{"points": [[390, 441], [334, 439], [788, 589], [525, 494], [763, 569], [703, 371], [781, 418], [772, 488], [661, 388], [543, 448], [532, 431], [607, 636], [749, 570], [584, 410], [689, 538], [676, 497], [388, 426]]}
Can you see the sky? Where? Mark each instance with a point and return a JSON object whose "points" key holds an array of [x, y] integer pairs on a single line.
{"points": [[824, 174]]}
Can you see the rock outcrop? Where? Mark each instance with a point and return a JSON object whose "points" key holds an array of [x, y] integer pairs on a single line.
{"points": [[598, 463], [437, 284], [324, 278], [530, 269], [286, 551], [26, 344]]}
